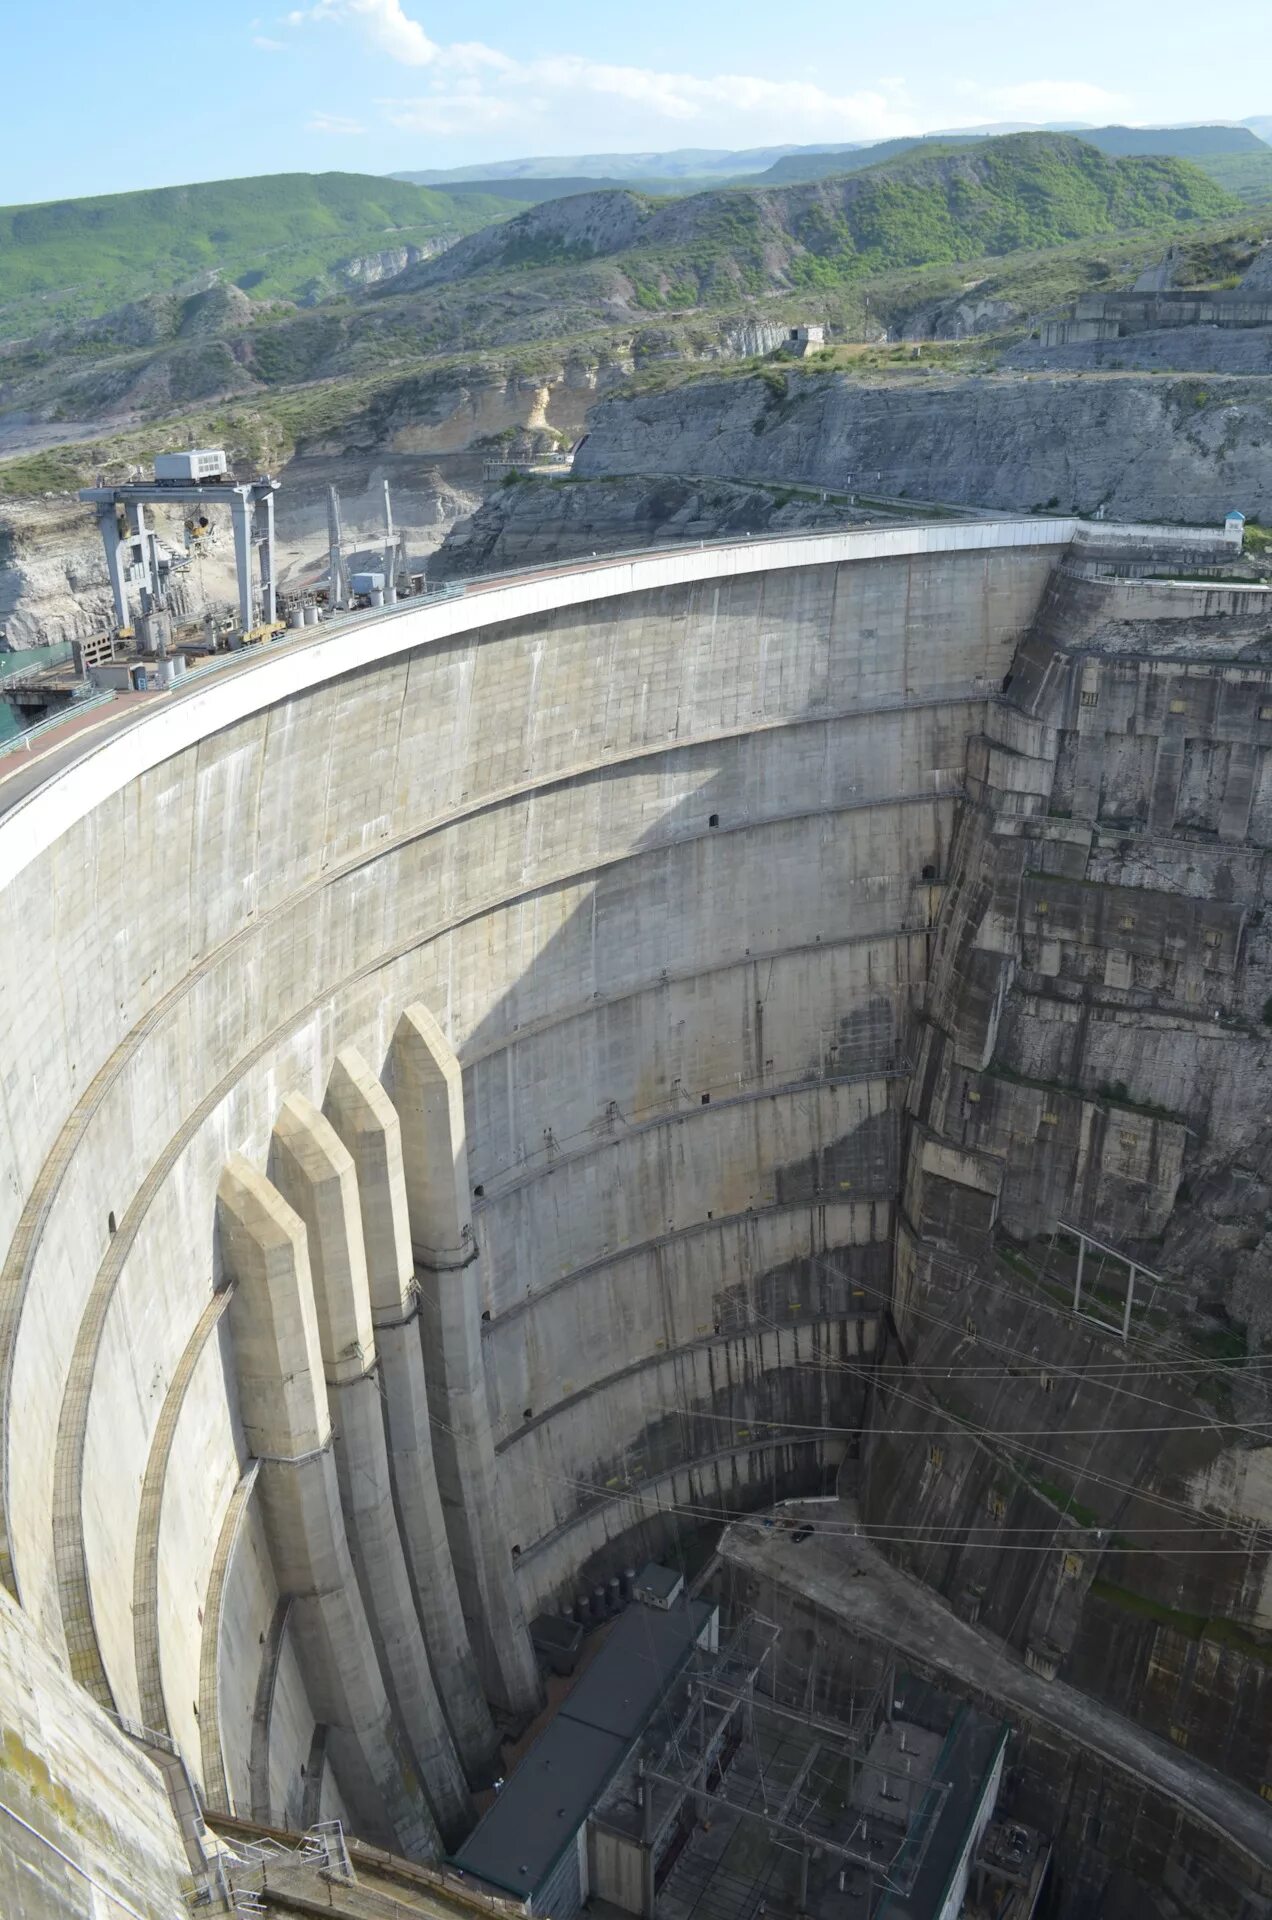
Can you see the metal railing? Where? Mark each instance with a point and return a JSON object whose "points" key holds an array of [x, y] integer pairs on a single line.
{"points": [[54, 656], [616, 557], [18, 742]]}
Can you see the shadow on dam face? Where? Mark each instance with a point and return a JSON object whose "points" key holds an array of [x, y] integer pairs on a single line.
{"points": [[664, 871]]}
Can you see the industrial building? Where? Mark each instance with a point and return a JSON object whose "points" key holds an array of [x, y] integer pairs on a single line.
{"points": [[677, 1779]]}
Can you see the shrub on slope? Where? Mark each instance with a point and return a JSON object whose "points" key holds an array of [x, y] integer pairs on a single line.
{"points": [[936, 206], [69, 258]]}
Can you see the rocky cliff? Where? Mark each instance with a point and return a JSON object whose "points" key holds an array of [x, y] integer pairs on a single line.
{"points": [[531, 521], [1077, 1455], [1148, 449]]}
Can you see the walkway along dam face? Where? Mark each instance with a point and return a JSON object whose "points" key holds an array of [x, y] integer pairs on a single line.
{"points": [[477, 1094]]}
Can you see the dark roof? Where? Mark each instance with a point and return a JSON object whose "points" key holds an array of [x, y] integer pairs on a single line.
{"points": [[661, 1580], [645, 1650], [546, 1800], [542, 1806], [966, 1759]]}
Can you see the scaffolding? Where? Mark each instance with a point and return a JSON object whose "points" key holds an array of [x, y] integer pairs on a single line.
{"points": [[744, 1796], [1134, 1270], [132, 556]]}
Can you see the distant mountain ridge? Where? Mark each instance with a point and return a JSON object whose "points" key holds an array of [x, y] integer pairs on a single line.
{"points": [[1186, 143], [683, 162], [941, 204], [695, 162]]}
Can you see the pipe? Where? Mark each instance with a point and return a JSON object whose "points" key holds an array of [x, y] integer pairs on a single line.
{"points": [[265, 511], [390, 552], [74, 1865]]}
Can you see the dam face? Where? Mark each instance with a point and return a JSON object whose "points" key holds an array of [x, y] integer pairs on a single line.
{"points": [[452, 1112]]}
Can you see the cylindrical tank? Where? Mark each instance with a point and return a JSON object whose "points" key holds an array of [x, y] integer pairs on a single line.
{"points": [[615, 1595], [296, 616], [581, 1613], [598, 1603], [376, 596], [629, 1582]]}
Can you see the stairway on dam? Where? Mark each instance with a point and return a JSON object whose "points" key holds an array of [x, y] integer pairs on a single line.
{"points": [[539, 1074]]}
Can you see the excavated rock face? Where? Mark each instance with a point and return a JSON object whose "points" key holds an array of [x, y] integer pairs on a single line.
{"points": [[1150, 450], [1094, 1058], [53, 583], [531, 521]]}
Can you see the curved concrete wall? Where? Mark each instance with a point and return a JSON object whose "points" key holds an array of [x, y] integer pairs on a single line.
{"points": [[656, 846]]}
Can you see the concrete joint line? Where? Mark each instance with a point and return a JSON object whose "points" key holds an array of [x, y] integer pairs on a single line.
{"points": [[336, 1382], [819, 1323], [215, 1782], [680, 976], [644, 1494], [92, 1324], [24, 1247], [445, 1259], [879, 1196], [261, 683], [681, 1116], [295, 1459], [385, 1321], [146, 1554]]}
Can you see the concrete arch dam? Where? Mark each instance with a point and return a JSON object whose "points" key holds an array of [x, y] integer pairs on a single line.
{"points": [[450, 1120]]}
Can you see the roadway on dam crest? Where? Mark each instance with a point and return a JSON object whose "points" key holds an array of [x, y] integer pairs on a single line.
{"points": [[160, 724]]}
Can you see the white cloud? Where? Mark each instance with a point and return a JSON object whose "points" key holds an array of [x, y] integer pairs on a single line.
{"points": [[446, 114], [472, 86], [333, 123], [266, 45], [1044, 100], [382, 21]]}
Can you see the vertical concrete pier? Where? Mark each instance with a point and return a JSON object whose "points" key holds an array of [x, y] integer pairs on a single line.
{"points": [[429, 1097], [314, 1172], [364, 1117], [283, 1406]]}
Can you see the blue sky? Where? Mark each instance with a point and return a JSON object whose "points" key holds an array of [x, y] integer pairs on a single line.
{"points": [[101, 99]]}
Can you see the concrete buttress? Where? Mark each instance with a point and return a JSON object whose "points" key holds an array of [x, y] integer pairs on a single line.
{"points": [[428, 1094], [364, 1117], [283, 1406], [315, 1174]]}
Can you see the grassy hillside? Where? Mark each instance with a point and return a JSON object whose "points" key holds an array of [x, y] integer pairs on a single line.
{"points": [[939, 206], [1184, 143], [1205, 145], [795, 168], [273, 235], [1248, 175]]}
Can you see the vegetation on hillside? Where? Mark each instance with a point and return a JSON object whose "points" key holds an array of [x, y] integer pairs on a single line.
{"points": [[940, 206], [1201, 144], [1247, 175], [932, 237], [273, 235]]}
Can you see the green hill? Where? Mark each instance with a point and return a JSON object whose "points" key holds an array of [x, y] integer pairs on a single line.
{"points": [[273, 235], [1210, 147], [1248, 175], [941, 205]]}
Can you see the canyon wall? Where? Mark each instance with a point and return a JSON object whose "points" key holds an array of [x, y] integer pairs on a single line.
{"points": [[1143, 449]]}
